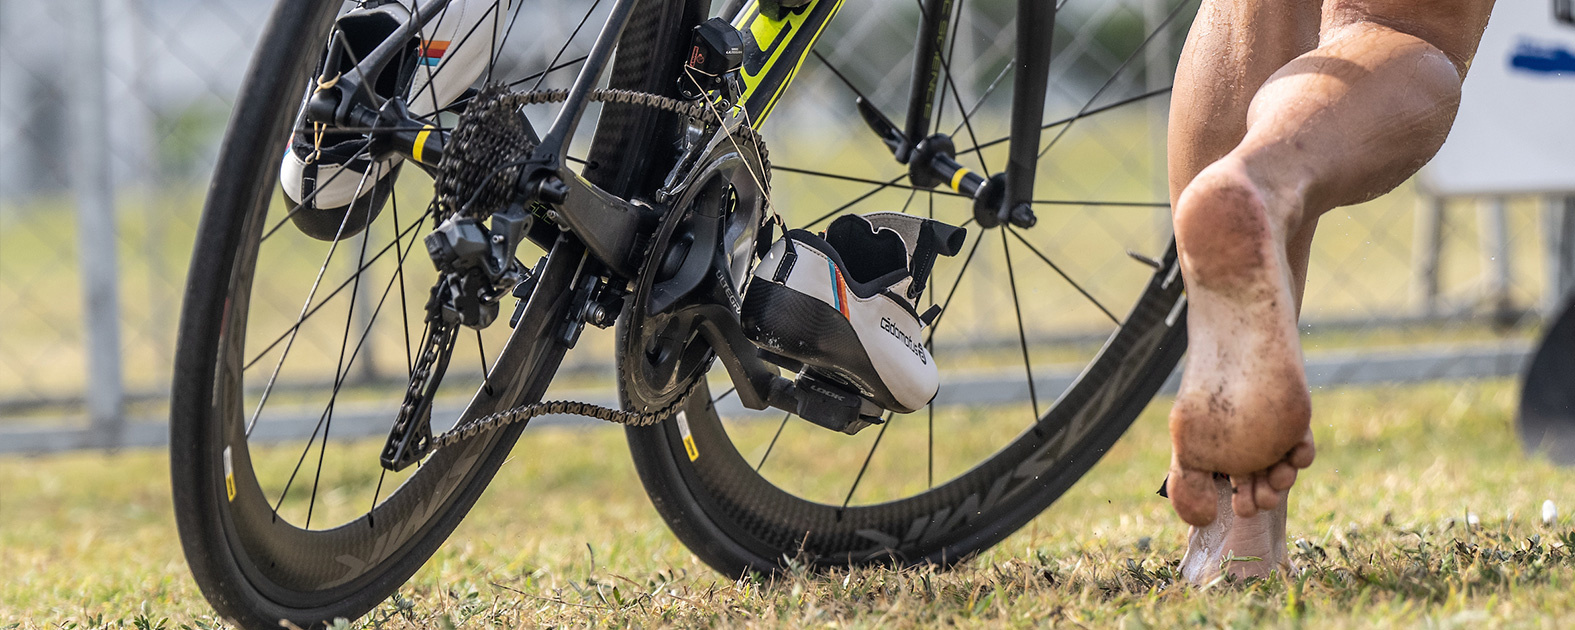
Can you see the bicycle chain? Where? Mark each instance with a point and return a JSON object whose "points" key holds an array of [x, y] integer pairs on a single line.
{"points": [[472, 151], [521, 413]]}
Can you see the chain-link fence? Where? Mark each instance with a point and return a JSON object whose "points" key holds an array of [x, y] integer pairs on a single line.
{"points": [[111, 113]]}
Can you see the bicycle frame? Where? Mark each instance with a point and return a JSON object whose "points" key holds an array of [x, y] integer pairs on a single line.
{"points": [[609, 226]]}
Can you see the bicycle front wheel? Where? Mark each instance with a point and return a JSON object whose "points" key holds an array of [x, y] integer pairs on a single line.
{"points": [[295, 353], [1051, 341]]}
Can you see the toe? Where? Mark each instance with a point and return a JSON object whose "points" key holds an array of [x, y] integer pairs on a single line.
{"points": [[1192, 494], [1302, 455], [1264, 494], [1282, 476], [1241, 499]]}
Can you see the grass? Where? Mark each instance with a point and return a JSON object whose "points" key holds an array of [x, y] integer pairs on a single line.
{"points": [[565, 537]]}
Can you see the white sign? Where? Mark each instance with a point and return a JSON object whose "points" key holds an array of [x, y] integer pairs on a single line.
{"points": [[1516, 128]]}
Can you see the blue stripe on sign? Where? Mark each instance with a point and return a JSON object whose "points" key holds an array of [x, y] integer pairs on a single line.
{"points": [[1529, 57], [430, 61]]}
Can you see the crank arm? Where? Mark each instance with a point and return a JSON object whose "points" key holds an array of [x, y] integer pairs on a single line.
{"points": [[759, 386], [758, 383]]}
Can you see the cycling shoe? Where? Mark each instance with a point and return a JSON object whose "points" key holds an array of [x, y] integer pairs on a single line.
{"points": [[343, 188], [844, 307]]}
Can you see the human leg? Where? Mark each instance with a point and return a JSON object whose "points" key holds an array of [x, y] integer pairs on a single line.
{"points": [[1337, 125], [1232, 48]]}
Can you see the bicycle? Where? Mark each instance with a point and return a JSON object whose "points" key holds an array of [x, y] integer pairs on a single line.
{"points": [[646, 231]]}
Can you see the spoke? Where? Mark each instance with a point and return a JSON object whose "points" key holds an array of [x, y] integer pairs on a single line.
{"points": [[725, 394], [317, 282], [550, 69], [862, 469], [930, 441], [1063, 275], [995, 83], [324, 421], [497, 44], [489, 16], [1076, 117], [859, 199], [845, 81], [290, 332], [1111, 81], [486, 373], [1111, 204], [863, 180], [310, 198], [773, 443], [404, 300], [341, 374], [252, 424], [565, 46], [859, 180], [1022, 333], [381, 475], [947, 303]]}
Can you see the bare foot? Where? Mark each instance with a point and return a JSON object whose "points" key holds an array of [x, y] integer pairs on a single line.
{"points": [[1243, 408], [1239, 546]]}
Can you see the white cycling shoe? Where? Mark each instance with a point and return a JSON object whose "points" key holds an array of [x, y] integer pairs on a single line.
{"points": [[332, 173], [844, 307]]}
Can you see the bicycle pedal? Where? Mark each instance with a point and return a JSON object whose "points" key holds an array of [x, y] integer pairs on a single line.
{"points": [[834, 406]]}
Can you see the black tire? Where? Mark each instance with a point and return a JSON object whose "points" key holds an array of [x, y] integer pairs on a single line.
{"points": [[740, 521], [252, 562]]}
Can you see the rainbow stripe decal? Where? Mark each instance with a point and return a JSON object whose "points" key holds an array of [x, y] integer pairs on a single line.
{"points": [[432, 52], [839, 293]]}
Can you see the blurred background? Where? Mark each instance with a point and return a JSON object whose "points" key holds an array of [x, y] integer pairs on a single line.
{"points": [[112, 111]]}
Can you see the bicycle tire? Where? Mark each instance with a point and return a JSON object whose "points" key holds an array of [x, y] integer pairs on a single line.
{"points": [[738, 521], [255, 567]]}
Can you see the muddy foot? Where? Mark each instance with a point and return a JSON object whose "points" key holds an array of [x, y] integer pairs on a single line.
{"points": [[1243, 408]]}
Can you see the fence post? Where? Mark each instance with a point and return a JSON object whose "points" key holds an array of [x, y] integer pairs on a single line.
{"points": [[1428, 244], [1495, 260], [95, 200], [1558, 231], [366, 372]]}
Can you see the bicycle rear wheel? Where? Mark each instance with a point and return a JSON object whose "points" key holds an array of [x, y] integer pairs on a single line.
{"points": [[294, 353], [752, 492]]}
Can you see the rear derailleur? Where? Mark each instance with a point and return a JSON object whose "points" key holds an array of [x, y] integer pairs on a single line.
{"points": [[477, 268]]}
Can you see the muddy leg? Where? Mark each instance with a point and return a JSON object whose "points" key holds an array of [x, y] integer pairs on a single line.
{"points": [[1337, 125]]}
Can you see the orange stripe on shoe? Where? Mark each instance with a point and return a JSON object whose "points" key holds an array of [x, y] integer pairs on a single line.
{"points": [[841, 295]]}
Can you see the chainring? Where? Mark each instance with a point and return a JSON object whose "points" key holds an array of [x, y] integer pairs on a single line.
{"points": [[660, 355]]}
